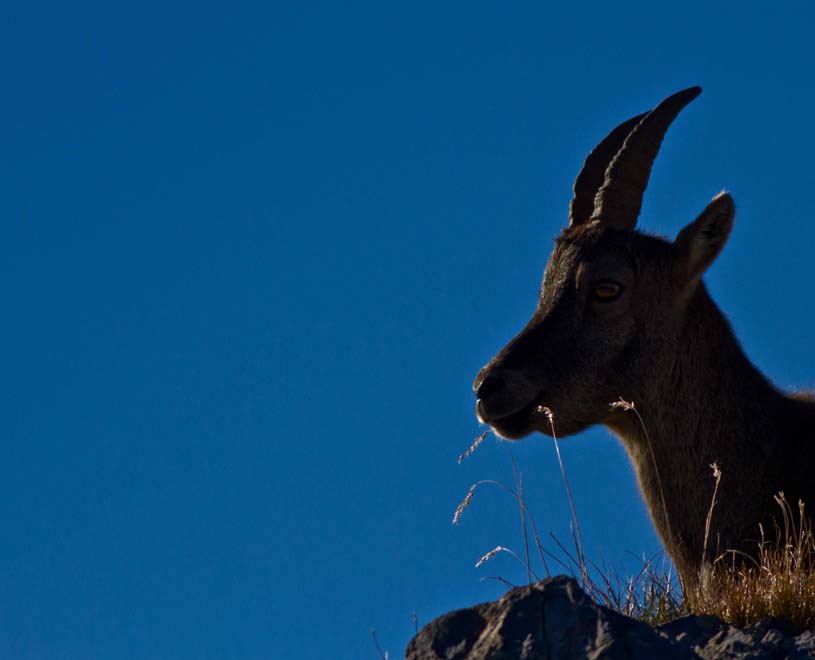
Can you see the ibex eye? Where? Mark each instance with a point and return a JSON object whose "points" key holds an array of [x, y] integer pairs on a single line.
{"points": [[607, 290]]}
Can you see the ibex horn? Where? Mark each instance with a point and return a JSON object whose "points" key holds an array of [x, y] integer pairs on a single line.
{"points": [[619, 200], [593, 174]]}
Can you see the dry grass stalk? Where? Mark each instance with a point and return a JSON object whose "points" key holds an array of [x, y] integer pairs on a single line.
{"points": [[629, 406], [494, 552], [779, 582], [382, 654], [469, 496], [474, 446], [517, 494], [464, 504], [717, 476], [519, 487], [576, 536]]}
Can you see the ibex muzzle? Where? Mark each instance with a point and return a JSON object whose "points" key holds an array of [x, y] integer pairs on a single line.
{"points": [[625, 315]]}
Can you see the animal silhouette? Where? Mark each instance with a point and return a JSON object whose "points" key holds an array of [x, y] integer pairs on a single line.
{"points": [[625, 315]]}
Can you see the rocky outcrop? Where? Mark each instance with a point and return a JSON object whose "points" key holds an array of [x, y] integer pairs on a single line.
{"points": [[555, 620]]}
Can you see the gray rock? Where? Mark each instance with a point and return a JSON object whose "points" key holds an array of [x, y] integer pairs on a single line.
{"points": [[555, 620], [804, 645], [691, 630], [552, 619]]}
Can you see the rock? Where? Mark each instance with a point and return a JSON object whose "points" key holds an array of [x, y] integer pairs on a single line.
{"points": [[804, 645], [451, 636], [555, 620], [552, 619], [692, 631]]}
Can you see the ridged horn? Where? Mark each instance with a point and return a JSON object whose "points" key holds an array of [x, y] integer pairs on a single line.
{"points": [[593, 174], [619, 199]]}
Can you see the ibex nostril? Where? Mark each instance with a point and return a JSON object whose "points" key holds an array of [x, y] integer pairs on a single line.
{"points": [[489, 386]]}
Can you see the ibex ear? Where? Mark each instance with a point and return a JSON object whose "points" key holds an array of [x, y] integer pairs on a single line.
{"points": [[700, 242]]}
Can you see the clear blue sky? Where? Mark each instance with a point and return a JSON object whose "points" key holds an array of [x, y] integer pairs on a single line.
{"points": [[253, 256]]}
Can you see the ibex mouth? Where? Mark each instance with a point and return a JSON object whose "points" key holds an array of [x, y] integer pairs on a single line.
{"points": [[506, 400], [515, 425]]}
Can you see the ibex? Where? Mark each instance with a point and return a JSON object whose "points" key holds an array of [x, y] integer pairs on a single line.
{"points": [[625, 315]]}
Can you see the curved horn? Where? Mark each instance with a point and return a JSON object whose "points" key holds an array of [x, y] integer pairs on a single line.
{"points": [[593, 174], [619, 200]]}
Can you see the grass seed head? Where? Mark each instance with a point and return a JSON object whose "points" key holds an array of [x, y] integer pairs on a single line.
{"points": [[464, 504]]}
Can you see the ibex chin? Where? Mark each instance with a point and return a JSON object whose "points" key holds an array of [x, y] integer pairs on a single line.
{"points": [[624, 315]]}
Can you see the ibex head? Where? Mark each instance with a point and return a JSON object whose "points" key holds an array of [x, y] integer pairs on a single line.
{"points": [[613, 300]]}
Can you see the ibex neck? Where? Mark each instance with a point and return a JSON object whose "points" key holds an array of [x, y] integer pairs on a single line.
{"points": [[712, 392], [706, 405]]}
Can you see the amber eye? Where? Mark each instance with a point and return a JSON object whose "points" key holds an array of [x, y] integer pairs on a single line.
{"points": [[607, 290]]}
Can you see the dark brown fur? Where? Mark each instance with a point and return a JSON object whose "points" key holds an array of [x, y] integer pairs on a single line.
{"points": [[665, 346]]}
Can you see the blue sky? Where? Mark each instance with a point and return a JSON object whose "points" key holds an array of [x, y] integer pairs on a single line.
{"points": [[254, 255]]}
